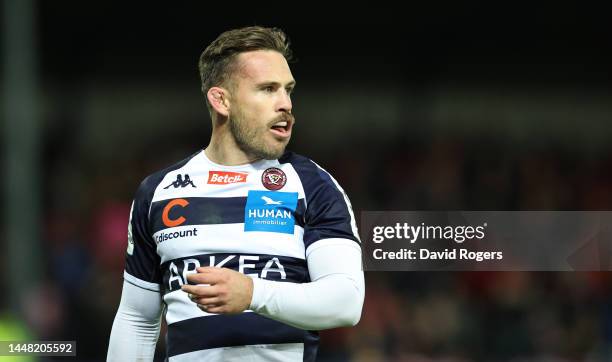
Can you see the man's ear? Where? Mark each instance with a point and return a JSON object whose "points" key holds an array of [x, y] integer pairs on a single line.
{"points": [[218, 99]]}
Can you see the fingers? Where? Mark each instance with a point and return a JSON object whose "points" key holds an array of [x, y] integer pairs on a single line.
{"points": [[208, 308], [211, 309], [208, 269], [206, 304], [205, 278], [209, 305], [215, 308], [223, 291], [209, 275], [205, 301], [205, 275], [218, 309], [201, 290]]}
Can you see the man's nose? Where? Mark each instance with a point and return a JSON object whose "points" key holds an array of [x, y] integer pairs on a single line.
{"points": [[284, 102]]}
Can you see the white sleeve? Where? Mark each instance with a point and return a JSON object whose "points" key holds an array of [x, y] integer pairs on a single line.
{"points": [[333, 298], [136, 326]]}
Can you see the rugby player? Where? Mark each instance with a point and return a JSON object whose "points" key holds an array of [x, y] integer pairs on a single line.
{"points": [[249, 249]]}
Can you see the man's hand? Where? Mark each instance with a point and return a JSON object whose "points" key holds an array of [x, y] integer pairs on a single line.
{"points": [[227, 292]]}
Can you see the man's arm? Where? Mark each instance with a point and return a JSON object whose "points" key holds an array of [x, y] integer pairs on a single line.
{"points": [[136, 326], [333, 298], [137, 323]]}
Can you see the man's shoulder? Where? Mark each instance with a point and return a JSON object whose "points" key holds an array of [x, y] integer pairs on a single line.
{"points": [[309, 171], [150, 183], [298, 161], [304, 166]]}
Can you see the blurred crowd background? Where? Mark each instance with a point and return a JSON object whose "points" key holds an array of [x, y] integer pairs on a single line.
{"points": [[447, 108]]}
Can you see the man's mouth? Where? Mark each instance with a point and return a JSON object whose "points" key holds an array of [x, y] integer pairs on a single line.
{"points": [[282, 128]]}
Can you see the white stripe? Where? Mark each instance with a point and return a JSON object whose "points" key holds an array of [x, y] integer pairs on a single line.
{"points": [[198, 171], [230, 238], [202, 189], [254, 353], [346, 200], [140, 283], [180, 307], [294, 182]]}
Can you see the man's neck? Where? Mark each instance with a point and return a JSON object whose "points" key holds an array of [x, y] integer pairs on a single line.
{"points": [[223, 150]]}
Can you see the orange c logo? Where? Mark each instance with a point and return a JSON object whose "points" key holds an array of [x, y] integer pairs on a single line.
{"points": [[176, 222]]}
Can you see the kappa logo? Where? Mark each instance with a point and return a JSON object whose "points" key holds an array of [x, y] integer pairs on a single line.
{"points": [[180, 182], [226, 177]]}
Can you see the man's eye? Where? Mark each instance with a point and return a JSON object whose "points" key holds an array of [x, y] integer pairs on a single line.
{"points": [[269, 89]]}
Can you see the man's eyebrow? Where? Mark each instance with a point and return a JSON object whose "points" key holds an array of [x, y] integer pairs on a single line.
{"points": [[276, 84]]}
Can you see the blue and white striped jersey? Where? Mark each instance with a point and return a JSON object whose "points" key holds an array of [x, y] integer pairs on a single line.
{"points": [[258, 219]]}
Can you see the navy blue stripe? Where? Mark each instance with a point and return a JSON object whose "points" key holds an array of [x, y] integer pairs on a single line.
{"points": [[328, 213], [296, 270], [210, 211], [311, 346], [229, 331]]}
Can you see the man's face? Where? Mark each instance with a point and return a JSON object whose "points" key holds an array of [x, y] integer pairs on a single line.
{"points": [[260, 112]]}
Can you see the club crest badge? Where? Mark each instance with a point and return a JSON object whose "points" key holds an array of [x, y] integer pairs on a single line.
{"points": [[273, 179]]}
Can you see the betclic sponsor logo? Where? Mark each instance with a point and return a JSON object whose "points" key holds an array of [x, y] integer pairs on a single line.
{"points": [[226, 177]]}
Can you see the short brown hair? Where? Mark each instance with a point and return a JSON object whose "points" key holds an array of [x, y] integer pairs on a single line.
{"points": [[217, 60]]}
